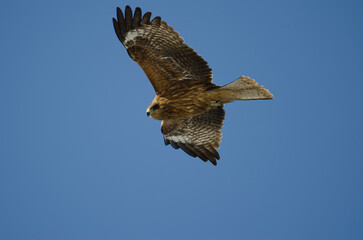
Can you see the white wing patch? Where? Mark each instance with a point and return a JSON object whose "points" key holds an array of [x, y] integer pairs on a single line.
{"points": [[183, 139], [131, 35]]}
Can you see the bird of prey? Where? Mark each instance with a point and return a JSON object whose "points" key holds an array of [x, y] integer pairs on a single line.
{"points": [[188, 103]]}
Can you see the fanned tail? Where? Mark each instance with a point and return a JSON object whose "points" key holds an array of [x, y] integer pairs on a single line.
{"points": [[244, 88]]}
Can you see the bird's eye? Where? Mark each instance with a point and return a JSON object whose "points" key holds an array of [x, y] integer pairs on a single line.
{"points": [[156, 106]]}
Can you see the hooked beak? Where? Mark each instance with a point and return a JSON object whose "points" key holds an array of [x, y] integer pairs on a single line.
{"points": [[148, 114]]}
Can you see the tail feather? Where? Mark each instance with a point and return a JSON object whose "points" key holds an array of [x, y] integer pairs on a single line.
{"points": [[244, 88]]}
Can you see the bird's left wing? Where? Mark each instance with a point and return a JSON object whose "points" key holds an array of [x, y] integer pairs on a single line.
{"points": [[198, 136], [160, 52]]}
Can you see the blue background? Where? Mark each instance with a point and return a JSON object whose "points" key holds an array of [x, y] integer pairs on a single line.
{"points": [[80, 159]]}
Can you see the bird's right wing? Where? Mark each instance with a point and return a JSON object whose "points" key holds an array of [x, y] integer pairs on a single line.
{"points": [[160, 52]]}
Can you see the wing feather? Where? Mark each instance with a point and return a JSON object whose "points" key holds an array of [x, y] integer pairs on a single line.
{"points": [[122, 24], [159, 50], [187, 149], [137, 17], [196, 151], [128, 18], [198, 136], [174, 145], [146, 18]]}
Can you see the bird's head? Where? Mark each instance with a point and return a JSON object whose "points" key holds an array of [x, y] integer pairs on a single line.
{"points": [[158, 109], [155, 111]]}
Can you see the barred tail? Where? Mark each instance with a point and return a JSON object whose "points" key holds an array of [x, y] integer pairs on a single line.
{"points": [[244, 88]]}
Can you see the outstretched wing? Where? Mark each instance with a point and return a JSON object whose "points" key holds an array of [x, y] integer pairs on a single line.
{"points": [[198, 136], [159, 51]]}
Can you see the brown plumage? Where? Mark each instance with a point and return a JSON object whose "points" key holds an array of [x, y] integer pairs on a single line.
{"points": [[187, 101]]}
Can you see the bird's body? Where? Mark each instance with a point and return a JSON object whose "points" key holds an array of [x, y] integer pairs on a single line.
{"points": [[188, 103], [181, 104]]}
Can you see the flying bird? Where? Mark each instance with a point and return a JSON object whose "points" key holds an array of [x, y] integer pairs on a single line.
{"points": [[189, 104]]}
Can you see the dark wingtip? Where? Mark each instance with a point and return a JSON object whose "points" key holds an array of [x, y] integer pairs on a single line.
{"points": [[213, 151], [137, 17], [198, 152], [202, 152], [128, 18], [121, 23], [209, 155], [125, 21], [166, 141], [156, 20], [187, 150], [146, 18], [174, 145], [118, 32]]}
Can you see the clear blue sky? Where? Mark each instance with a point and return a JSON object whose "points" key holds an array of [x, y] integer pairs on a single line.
{"points": [[79, 159]]}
